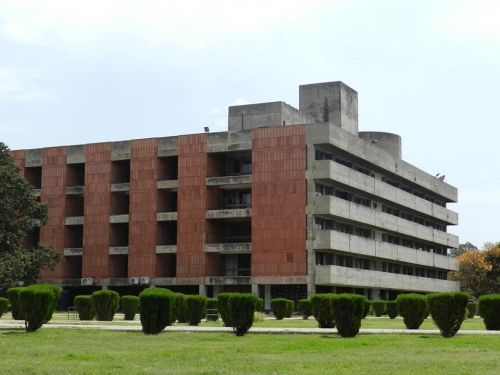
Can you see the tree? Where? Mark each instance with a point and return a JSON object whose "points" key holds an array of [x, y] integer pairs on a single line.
{"points": [[479, 270], [20, 213]]}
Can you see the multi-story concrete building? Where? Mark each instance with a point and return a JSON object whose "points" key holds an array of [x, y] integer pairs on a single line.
{"points": [[287, 202]]}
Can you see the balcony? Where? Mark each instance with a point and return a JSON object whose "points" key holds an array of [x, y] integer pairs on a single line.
{"points": [[227, 280], [37, 192], [167, 184], [166, 216], [74, 220], [229, 248], [75, 190], [166, 249], [329, 170], [329, 205], [235, 213], [123, 186], [358, 278], [233, 182], [117, 219], [356, 245], [73, 252], [118, 250]]}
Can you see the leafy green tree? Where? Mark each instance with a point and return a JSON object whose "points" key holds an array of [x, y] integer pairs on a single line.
{"points": [[20, 213]]}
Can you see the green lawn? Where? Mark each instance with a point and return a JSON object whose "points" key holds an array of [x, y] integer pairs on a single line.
{"points": [[60, 351], [369, 322]]}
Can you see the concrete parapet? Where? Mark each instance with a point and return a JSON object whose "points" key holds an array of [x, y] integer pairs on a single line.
{"points": [[74, 220], [116, 219], [118, 250], [229, 213], [166, 216], [229, 248]]}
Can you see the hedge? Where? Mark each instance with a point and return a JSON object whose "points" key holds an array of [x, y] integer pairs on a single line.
{"points": [[106, 303], [348, 310], [129, 305], [56, 291], [378, 308], [413, 308], [4, 304], [322, 310], [211, 311], [12, 295], [391, 308], [471, 309], [180, 309], [305, 308], [280, 307], [489, 310], [366, 308], [84, 307], [36, 304], [259, 305], [447, 311], [223, 306], [196, 309], [290, 305], [156, 309], [241, 310]]}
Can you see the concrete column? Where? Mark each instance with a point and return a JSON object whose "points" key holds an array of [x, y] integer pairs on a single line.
{"points": [[202, 290], [255, 289], [375, 294], [267, 297], [216, 290]]}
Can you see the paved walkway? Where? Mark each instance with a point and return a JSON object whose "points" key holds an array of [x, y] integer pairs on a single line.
{"points": [[12, 324]]}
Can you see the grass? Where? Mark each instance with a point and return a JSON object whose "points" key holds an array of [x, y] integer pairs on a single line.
{"points": [[59, 351], [369, 322]]}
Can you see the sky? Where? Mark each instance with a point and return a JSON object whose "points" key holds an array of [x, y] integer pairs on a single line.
{"points": [[74, 72]]}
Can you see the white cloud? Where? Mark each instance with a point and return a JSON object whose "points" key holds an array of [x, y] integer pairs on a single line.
{"points": [[19, 84], [188, 23], [474, 19]]}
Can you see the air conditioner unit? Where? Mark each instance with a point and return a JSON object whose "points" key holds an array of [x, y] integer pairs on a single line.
{"points": [[87, 281], [145, 280], [133, 280]]}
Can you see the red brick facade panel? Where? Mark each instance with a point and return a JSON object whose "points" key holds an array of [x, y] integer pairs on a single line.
{"points": [[279, 201], [96, 210], [18, 156], [191, 198], [53, 194], [142, 217]]}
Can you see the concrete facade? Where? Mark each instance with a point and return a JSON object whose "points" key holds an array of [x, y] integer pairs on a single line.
{"points": [[288, 202]]}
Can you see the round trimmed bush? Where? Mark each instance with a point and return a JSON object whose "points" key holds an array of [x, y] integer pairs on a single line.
{"points": [[156, 309], [12, 295], [378, 308], [322, 310], [212, 312], [129, 305], [489, 310], [259, 305], [366, 308], [56, 291], [280, 308], [84, 307], [106, 303], [241, 310], [223, 306], [4, 304], [35, 304], [447, 311], [305, 308], [391, 308], [180, 309], [413, 308], [348, 310], [196, 309], [471, 309], [289, 308]]}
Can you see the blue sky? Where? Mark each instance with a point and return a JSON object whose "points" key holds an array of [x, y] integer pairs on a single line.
{"points": [[74, 72]]}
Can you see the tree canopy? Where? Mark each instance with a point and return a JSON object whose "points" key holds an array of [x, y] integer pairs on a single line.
{"points": [[479, 270], [20, 213]]}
